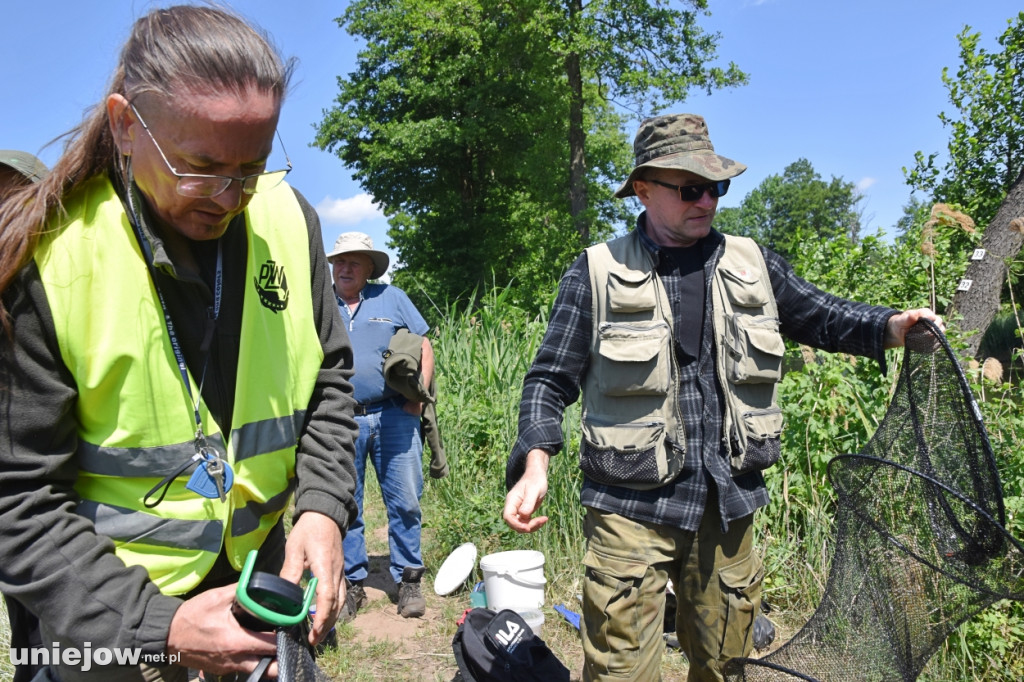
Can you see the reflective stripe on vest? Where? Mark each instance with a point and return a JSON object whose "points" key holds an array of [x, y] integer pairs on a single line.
{"points": [[247, 441], [134, 414], [125, 526]]}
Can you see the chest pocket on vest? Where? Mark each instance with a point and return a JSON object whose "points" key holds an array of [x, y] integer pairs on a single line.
{"points": [[637, 358], [744, 288], [631, 291], [754, 345]]}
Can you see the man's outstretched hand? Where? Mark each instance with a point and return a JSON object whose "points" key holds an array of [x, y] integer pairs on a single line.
{"points": [[527, 494]]}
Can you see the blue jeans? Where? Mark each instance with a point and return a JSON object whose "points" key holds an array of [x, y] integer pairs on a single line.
{"points": [[391, 439]]}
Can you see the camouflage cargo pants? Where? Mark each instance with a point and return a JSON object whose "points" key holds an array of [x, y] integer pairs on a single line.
{"points": [[717, 580]]}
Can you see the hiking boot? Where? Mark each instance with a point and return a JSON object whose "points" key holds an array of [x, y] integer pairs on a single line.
{"points": [[355, 599], [411, 603]]}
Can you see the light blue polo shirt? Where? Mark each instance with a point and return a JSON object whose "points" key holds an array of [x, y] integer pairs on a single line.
{"points": [[382, 311]]}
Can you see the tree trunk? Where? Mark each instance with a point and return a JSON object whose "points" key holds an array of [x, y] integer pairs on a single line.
{"points": [[577, 137], [978, 303]]}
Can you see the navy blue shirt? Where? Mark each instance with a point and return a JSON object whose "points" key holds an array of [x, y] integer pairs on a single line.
{"points": [[382, 311], [807, 315]]}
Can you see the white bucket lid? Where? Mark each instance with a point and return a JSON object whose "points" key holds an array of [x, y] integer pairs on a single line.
{"points": [[455, 569]]}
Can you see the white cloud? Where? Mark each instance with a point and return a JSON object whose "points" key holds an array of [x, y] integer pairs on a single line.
{"points": [[865, 183], [352, 211]]}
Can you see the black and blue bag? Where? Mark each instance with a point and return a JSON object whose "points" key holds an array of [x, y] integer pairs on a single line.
{"points": [[501, 647]]}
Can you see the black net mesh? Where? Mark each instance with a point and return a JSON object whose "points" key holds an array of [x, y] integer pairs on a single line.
{"points": [[920, 541]]}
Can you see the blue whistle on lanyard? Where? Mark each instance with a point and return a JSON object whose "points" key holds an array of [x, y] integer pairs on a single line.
{"points": [[204, 480]]}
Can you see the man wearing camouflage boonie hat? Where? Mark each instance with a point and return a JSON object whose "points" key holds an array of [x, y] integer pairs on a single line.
{"points": [[673, 335], [677, 141]]}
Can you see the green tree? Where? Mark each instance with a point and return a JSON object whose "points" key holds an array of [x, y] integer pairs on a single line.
{"points": [[642, 54], [490, 130], [786, 209], [448, 140], [915, 212], [986, 144], [984, 172]]}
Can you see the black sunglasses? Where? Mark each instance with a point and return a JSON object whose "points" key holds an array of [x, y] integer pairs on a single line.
{"points": [[695, 192]]}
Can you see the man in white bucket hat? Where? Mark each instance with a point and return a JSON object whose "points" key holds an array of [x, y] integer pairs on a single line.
{"points": [[389, 424], [673, 334]]}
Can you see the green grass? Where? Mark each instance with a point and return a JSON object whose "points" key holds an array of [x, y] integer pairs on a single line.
{"points": [[6, 667]]}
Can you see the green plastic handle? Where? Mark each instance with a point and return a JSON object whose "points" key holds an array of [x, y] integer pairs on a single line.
{"points": [[281, 620]]}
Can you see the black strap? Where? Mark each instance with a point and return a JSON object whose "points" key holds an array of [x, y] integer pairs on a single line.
{"points": [[200, 439], [147, 252], [261, 668], [163, 486]]}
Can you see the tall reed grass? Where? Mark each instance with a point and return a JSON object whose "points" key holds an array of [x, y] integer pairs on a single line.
{"points": [[483, 354]]}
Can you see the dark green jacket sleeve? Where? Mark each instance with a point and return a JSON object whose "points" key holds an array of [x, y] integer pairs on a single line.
{"points": [[325, 463], [402, 373], [51, 560]]}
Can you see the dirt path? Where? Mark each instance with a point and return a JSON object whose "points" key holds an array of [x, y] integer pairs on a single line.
{"points": [[415, 648], [381, 645]]}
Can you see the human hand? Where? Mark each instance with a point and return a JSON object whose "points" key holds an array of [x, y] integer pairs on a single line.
{"points": [[898, 325], [413, 408], [315, 543], [527, 494], [205, 635]]}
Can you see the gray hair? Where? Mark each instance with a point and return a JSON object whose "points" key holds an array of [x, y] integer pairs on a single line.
{"points": [[191, 48]]}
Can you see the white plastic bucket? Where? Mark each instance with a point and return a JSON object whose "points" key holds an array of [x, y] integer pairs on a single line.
{"points": [[514, 580]]}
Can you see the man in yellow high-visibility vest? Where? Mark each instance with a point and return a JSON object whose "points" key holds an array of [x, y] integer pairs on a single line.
{"points": [[174, 369]]}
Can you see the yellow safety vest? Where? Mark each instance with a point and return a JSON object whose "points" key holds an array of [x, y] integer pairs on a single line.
{"points": [[135, 418]]}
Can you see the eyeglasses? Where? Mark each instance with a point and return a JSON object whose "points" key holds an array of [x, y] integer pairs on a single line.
{"points": [[695, 192], [197, 185]]}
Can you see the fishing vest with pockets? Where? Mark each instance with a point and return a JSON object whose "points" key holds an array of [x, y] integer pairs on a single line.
{"points": [[749, 355], [135, 418], [633, 433]]}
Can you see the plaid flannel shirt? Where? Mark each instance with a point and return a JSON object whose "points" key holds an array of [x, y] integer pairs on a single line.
{"points": [[807, 315]]}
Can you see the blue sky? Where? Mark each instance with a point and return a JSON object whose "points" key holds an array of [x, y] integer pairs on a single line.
{"points": [[854, 87]]}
